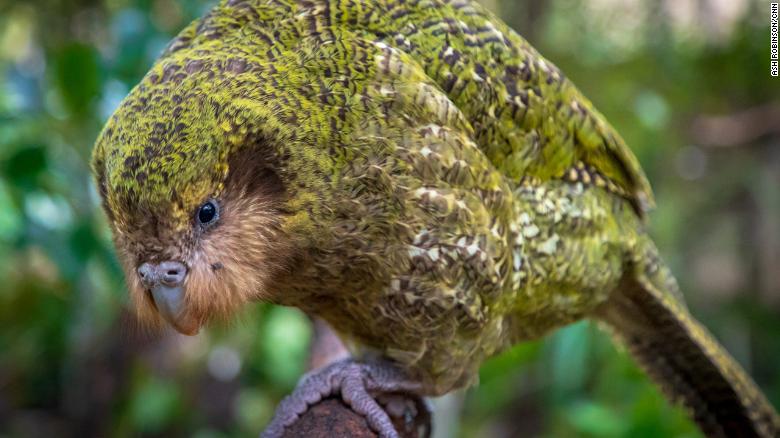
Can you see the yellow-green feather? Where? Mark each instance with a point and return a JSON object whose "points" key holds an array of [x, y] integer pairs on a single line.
{"points": [[453, 192]]}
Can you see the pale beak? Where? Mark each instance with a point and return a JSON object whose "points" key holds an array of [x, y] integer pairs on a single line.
{"points": [[170, 304], [165, 281]]}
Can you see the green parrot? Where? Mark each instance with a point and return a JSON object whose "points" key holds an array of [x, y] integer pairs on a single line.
{"points": [[414, 173]]}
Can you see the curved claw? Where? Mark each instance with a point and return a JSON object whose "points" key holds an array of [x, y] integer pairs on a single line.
{"points": [[354, 381]]}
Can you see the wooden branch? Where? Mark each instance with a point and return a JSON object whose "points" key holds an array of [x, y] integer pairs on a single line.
{"points": [[331, 417]]}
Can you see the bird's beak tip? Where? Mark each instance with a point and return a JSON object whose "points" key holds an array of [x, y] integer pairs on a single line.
{"points": [[171, 306]]}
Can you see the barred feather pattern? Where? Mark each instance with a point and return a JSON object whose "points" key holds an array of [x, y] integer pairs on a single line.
{"points": [[447, 192]]}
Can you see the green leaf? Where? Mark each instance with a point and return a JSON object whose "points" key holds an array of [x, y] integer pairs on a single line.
{"points": [[286, 336], [596, 420], [154, 405], [77, 75], [24, 165]]}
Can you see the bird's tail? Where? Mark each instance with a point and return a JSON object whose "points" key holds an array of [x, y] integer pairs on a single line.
{"points": [[648, 315]]}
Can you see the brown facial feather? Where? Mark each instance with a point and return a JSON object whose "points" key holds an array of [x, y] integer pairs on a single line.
{"points": [[229, 263]]}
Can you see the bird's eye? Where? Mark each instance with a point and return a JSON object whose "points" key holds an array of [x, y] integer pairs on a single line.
{"points": [[208, 213]]}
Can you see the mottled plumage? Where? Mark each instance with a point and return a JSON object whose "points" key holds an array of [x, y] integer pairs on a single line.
{"points": [[414, 172]]}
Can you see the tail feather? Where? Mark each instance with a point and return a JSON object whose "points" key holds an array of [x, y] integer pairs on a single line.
{"points": [[684, 359]]}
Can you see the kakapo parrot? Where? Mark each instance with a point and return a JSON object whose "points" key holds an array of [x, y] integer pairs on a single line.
{"points": [[414, 173]]}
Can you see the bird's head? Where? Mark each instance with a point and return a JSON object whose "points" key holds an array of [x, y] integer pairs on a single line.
{"points": [[227, 172], [192, 184]]}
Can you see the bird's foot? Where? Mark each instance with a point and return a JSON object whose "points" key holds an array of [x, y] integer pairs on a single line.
{"points": [[356, 382]]}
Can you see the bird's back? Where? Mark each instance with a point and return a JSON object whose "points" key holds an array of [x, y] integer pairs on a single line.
{"points": [[530, 121]]}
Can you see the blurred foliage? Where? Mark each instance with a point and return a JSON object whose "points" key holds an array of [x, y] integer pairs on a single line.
{"points": [[685, 82]]}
